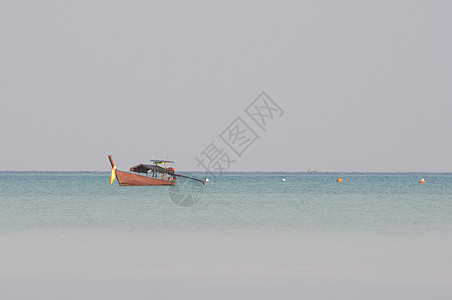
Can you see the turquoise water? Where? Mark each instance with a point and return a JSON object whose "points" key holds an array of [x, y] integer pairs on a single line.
{"points": [[250, 203]]}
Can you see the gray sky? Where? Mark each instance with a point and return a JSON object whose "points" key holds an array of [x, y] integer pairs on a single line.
{"points": [[364, 85]]}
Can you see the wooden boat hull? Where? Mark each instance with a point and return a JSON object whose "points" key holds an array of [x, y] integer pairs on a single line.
{"points": [[130, 179]]}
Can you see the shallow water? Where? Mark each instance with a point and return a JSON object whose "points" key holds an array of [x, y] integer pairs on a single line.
{"points": [[249, 236]]}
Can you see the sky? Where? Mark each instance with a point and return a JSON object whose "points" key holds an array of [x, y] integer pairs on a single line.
{"points": [[354, 85]]}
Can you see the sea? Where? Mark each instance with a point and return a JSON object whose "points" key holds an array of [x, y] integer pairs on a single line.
{"points": [[247, 235], [230, 203]]}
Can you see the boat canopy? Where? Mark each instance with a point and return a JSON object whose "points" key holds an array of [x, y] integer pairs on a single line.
{"points": [[158, 162], [142, 168]]}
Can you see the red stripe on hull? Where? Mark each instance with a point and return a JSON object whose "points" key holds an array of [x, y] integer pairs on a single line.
{"points": [[130, 179]]}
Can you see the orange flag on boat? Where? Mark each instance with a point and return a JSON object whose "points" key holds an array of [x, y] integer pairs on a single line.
{"points": [[113, 174]]}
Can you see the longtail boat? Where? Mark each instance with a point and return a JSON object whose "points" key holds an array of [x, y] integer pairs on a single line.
{"points": [[147, 174]]}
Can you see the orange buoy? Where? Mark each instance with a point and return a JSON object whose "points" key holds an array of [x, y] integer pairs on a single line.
{"points": [[422, 180], [339, 180]]}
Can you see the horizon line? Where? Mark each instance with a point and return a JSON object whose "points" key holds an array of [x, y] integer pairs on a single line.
{"points": [[226, 172]]}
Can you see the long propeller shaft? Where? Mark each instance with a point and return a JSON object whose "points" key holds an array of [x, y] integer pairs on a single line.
{"points": [[178, 175]]}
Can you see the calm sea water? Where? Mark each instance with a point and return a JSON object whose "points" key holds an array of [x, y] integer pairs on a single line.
{"points": [[249, 203]]}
